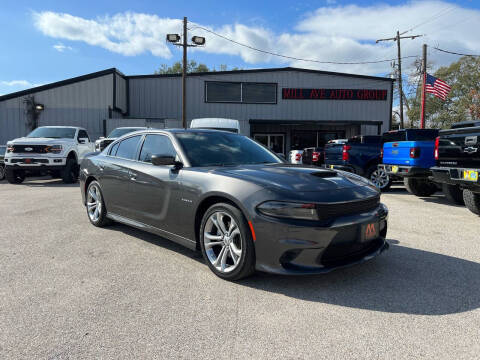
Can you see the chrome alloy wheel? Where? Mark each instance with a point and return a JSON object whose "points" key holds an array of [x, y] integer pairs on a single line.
{"points": [[94, 202], [380, 178], [223, 242]]}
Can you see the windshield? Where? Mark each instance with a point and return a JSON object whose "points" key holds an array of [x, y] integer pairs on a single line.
{"points": [[53, 133], [223, 149], [120, 132]]}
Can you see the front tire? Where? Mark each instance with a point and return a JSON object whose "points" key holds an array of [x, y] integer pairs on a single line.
{"points": [[96, 209], [472, 201], [226, 242], [453, 193], [14, 176], [419, 187], [379, 177], [70, 172], [2, 172]]}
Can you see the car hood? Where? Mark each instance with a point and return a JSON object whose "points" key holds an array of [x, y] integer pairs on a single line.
{"points": [[40, 141], [293, 177]]}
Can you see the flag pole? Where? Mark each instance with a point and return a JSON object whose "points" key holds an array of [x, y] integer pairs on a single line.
{"points": [[424, 73]]}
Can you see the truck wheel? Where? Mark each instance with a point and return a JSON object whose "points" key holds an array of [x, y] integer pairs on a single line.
{"points": [[14, 176], [379, 177], [70, 172], [56, 174], [453, 193], [419, 187], [2, 172], [472, 201]]}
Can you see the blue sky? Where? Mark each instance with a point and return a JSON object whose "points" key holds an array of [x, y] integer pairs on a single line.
{"points": [[52, 40]]}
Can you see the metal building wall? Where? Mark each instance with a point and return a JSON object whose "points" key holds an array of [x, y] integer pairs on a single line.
{"points": [[120, 93], [84, 103], [161, 97]]}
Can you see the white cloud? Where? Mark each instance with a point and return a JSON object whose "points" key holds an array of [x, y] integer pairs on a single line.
{"points": [[19, 84], [61, 48], [330, 33]]}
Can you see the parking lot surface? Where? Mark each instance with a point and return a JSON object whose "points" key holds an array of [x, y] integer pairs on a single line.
{"points": [[70, 290]]}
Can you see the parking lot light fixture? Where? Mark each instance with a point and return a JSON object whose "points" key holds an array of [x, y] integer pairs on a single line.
{"points": [[198, 40], [173, 38]]}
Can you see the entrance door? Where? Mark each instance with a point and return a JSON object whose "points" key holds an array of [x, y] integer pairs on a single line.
{"points": [[275, 142]]}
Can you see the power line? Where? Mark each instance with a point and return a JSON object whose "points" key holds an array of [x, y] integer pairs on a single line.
{"points": [[296, 58], [454, 53], [432, 18]]}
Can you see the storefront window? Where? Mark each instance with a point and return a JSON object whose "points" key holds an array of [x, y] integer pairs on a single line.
{"points": [[223, 92], [245, 93]]}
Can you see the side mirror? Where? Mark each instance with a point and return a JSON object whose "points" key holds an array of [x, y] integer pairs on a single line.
{"points": [[159, 160], [82, 140]]}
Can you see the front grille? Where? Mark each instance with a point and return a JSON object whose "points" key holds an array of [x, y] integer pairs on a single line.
{"points": [[32, 161], [343, 254], [329, 211], [36, 149]]}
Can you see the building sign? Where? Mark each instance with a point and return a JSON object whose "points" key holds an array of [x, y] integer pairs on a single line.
{"points": [[333, 94]]}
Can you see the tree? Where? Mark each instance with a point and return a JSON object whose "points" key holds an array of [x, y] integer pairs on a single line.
{"points": [[192, 67], [462, 102]]}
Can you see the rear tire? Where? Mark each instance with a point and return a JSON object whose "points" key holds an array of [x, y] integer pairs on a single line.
{"points": [[70, 171], [472, 201], [14, 176], [96, 208], [379, 177], [420, 187], [453, 193], [233, 241]]}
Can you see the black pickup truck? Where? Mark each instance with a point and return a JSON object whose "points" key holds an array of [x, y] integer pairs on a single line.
{"points": [[360, 155], [457, 155]]}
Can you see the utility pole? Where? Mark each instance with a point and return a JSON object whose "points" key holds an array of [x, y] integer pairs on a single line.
{"points": [[400, 88], [196, 41], [184, 75], [424, 75]]}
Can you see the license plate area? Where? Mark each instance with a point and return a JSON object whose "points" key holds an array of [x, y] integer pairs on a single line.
{"points": [[470, 175], [369, 231]]}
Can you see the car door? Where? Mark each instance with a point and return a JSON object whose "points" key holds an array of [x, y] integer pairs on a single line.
{"points": [[83, 144], [114, 176], [154, 188]]}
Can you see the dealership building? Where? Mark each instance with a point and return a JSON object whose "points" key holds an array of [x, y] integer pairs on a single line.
{"points": [[284, 108]]}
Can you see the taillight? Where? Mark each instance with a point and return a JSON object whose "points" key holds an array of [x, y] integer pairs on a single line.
{"points": [[437, 141], [345, 155], [298, 157], [315, 156], [414, 152], [381, 154]]}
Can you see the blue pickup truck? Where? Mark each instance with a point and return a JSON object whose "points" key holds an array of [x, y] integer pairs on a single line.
{"points": [[409, 154], [359, 155]]}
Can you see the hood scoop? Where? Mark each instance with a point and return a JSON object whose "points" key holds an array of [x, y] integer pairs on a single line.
{"points": [[325, 174]]}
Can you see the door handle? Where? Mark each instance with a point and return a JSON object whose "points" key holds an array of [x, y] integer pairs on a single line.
{"points": [[133, 177]]}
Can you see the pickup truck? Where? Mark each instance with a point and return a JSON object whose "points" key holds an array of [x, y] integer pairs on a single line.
{"points": [[408, 154], [359, 155], [56, 150], [313, 156], [457, 154]]}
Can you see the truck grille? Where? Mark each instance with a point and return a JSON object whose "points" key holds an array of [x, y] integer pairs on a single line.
{"points": [[35, 149], [329, 211]]}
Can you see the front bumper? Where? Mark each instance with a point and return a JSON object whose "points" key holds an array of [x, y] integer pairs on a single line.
{"points": [[35, 162], [287, 248], [455, 176], [405, 171]]}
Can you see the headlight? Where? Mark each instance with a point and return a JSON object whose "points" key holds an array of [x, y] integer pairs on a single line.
{"points": [[9, 148], [55, 149], [283, 209]]}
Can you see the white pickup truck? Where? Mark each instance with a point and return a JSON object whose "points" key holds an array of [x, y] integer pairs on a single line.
{"points": [[56, 150]]}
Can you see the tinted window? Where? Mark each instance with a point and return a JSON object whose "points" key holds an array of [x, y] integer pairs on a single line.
{"points": [[223, 92], [53, 133], [82, 134], [156, 145], [422, 134], [128, 148], [394, 136], [222, 148], [259, 93], [113, 150]]}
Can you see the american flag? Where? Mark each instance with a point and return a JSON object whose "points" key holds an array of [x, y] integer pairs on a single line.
{"points": [[437, 87]]}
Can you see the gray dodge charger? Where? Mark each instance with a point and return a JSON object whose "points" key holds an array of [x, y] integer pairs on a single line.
{"points": [[235, 201]]}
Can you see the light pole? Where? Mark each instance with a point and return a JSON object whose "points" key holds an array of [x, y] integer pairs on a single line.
{"points": [[196, 41]]}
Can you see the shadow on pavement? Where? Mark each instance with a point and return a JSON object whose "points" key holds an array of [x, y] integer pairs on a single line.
{"points": [[401, 280], [46, 182]]}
